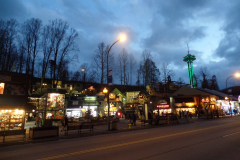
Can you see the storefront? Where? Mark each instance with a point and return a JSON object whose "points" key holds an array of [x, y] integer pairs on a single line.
{"points": [[162, 107], [12, 119], [209, 103], [78, 108], [114, 105], [51, 106], [186, 104], [13, 100], [228, 106]]}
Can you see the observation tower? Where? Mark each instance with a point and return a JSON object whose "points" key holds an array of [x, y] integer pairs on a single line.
{"points": [[189, 59]]}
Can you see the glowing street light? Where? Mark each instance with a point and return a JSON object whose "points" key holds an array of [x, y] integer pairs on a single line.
{"points": [[105, 90], [121, 38]]}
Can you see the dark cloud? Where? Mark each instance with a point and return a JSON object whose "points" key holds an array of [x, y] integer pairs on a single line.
{"points": [[229, 46], [12, 9]]}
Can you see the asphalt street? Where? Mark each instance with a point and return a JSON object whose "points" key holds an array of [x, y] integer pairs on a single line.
{"points": [[208, 140]]}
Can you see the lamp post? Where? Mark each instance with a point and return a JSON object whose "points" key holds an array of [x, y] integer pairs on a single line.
{"points": [[83, 70], [235, 75], [121, 38]]}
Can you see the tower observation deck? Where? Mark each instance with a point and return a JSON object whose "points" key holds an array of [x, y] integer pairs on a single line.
{"points": [[189, 59]]}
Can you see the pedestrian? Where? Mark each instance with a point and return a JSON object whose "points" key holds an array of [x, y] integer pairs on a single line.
{"points": [[134, 119], [185, 114], [66, 121], [129, 120], [38, 120], [149, 115], [63, 123]]}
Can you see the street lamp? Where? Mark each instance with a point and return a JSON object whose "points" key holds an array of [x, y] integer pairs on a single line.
{"points": [[121, 38], [83, 70], [235, 75]]}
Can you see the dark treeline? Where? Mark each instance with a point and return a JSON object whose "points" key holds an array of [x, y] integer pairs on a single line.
{"points": [[31, 45]]}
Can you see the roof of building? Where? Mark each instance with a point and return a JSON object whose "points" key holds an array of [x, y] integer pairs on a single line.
{"points": [[188, 91], [221, 95]]}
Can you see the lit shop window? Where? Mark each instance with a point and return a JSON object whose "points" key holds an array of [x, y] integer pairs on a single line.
{"points": [[2, 87]]}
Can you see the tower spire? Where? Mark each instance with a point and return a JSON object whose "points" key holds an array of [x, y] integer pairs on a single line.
{"points": [[189, 59]]}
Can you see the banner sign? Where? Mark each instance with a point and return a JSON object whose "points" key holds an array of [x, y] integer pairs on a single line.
{"points": [[110, 77]]}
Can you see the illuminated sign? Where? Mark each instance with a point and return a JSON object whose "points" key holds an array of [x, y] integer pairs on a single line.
{"points": [[89, 98], [163, 106], [112, 96], [162, 101]]}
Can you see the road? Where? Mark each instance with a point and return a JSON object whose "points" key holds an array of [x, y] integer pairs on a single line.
{"points": [[208, 140]]}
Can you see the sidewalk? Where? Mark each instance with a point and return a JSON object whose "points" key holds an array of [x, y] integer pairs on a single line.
{"points": [[122, 126]]}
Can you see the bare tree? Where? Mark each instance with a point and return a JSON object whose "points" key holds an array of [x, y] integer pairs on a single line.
{"points": [[132, 63], [100, 61], [204, 74], [8, 47], [63, 43], [166, 71], [123, 65], [47, 49], [21, 52], [150, 73], [180, 82], [32, 31]]}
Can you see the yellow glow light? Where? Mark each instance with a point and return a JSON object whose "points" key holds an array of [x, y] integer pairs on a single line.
{"points": [[237, 75], [122, 38], [105, 90], [226, 98], [189, 104]]}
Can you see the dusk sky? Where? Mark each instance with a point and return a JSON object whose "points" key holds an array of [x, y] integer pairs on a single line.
{"points": [[211, 28]]}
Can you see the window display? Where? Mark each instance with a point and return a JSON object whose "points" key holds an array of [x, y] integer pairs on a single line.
{"points": [[55, 100], [54, 114], [11, 119]]}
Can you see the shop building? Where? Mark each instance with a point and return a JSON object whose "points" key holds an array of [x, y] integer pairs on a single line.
{"points": [[224, 102], [190, 99], [132, 103], [13, 100], [77, 106], [162, 106], [51, 107]]}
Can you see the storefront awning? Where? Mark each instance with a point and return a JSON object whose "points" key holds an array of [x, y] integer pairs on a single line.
{"points": [[184, 100]]}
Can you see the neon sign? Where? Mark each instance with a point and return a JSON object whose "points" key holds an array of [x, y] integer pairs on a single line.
{"points": [[163, 106]]}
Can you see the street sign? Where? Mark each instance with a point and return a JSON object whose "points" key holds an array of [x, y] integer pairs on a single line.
{"points": [[110, 77]]}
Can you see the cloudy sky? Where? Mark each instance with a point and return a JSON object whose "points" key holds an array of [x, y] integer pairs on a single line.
{"points": [[211, 28]]}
